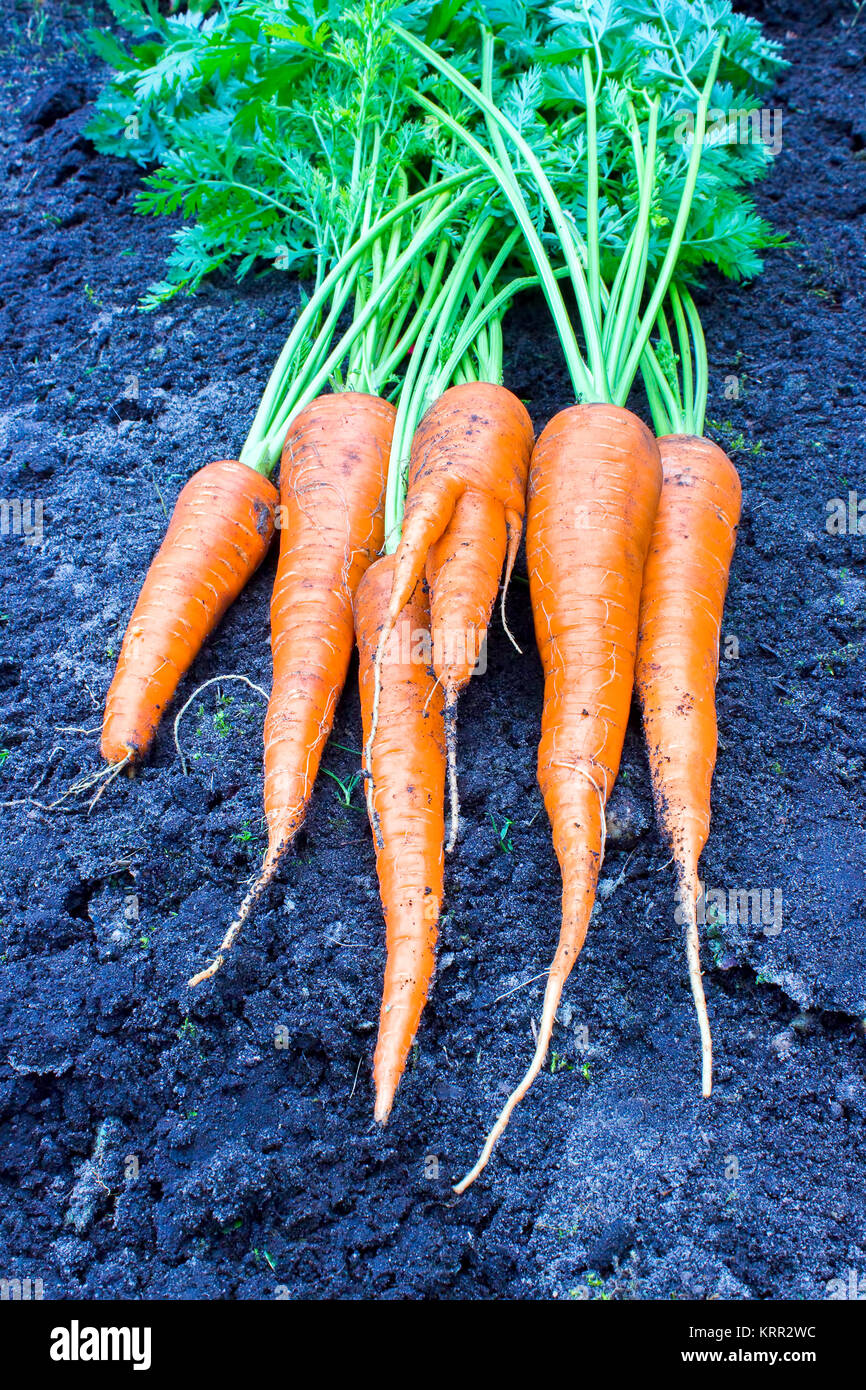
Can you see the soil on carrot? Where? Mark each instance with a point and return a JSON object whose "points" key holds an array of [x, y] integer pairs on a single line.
{"points": [[160, 1143]]}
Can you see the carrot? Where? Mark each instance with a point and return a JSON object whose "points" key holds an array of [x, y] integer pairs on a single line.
{"points": [[407, 810], [463, 521], [332, 488], [683, 596], [218, 535], [594, 486]]}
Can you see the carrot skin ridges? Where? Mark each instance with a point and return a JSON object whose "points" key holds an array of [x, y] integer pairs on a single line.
{"points": [[470, 458], [408, 811], [332, 488], [594, 486], [218, 535], [683, 598]]}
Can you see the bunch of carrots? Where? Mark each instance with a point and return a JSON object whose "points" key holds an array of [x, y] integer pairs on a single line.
{"points": [[424, 173]]}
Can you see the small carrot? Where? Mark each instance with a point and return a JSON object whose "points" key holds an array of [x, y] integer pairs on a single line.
{"points": [[332, 488], [219, 534], [683, 597], [594, 486], [463, 521], [407, 809]]}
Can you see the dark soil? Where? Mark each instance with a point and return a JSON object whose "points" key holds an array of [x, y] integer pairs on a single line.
{"points": [[158, 1143]]}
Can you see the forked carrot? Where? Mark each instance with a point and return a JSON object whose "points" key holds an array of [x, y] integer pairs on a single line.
{"points": [[684, 589], [594, 486], [219, 534], [463, 521], [332, 488], [407, 809]]}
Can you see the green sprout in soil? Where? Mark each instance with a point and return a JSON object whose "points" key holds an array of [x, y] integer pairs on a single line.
{"points": [[220, 718], [503, 832], [343, 790]]}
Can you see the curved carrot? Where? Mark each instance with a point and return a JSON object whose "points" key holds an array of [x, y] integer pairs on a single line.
{"points": [[407, 766], [594, 486], [684, 589], [332, 487], [218, 535], [463, 520]]}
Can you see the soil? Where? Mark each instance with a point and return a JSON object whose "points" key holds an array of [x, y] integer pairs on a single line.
{"points": [[160, 1144]]}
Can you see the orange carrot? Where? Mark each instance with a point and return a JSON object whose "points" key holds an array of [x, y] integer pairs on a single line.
{"points": [[218, 535], [332, 486], [683, 597], [463, 519], [594, 486], [407, 770]]}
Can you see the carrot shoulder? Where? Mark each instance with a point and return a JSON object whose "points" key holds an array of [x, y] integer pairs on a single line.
{"points": [[407, 767], [594, 486], [218, 535], [684, 589]]}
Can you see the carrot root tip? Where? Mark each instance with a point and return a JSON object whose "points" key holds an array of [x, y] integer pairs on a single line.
{"points": [[451, 754], [206, 974], [552, 996], [693, 956], [384, 1101], [101, 779], [374, 724], [514, 533], [264, 880]]}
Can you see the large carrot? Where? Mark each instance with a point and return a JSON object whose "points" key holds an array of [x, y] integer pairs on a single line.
{"points": [[463, 521], [332, 489], [332, 492], [219, 534], [407, 772], [594, 486], [678, 661]]}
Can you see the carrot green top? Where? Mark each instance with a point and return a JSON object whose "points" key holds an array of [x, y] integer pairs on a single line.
{"points": [[615, 326]]}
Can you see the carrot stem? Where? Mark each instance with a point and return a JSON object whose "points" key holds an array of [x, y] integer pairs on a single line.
{"points": [[288, 387]]}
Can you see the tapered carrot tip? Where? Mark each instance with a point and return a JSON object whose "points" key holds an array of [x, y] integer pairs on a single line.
{"points": [[385, 1093], [218, 535], [405, 762]]}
